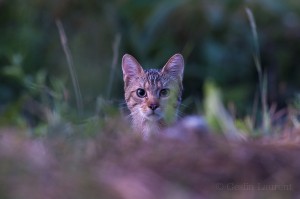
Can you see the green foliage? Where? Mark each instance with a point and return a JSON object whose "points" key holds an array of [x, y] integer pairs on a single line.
{"points": [[296, 101], [214, 37], [217, 116]]}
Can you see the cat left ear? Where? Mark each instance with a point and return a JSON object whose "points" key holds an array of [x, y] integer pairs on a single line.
{"points": [[131, 67], [174, 66]]}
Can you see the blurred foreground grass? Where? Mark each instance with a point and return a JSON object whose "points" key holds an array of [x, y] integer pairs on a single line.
{"points": [[116, 164], [100, 157]]}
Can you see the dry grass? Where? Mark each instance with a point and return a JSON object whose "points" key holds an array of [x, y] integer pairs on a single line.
{"points": [[118, 164]]}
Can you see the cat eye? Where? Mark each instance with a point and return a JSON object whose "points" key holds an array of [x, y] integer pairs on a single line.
{"points": [[141, 93], [164, 92]]}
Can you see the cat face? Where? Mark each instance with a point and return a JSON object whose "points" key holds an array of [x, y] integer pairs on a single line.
{"points": [[153, 95]]}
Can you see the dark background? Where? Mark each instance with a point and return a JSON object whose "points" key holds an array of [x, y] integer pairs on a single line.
{"points": [[214, 37]]}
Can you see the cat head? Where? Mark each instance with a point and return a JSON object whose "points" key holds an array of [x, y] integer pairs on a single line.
{"points": [[153, 95]]}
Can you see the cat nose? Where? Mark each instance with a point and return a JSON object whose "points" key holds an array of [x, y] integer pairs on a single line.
{"points": [[153, 106]]}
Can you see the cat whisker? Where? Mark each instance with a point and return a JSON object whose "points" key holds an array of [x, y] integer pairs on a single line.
{"points": [[123, 105], [184, 105], [179, 115], [132, 114]]}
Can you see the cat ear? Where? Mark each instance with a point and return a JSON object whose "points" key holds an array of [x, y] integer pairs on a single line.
{"points": [[174, 66], [130, 67]]}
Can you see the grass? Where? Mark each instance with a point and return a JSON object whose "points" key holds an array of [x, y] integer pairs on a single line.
{"points": [[100, 157], [115, 163], [261, 76], [64, 43]]}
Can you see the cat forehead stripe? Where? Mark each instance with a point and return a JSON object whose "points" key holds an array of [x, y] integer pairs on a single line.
{"points": [[153, 75]]}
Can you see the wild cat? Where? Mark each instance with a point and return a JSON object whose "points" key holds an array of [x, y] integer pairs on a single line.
{"points": [[153, 96]]}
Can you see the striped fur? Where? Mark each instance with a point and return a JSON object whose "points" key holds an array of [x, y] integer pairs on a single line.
{"points": [[163, 90]]}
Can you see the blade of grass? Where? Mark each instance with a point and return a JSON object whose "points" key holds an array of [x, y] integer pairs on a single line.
{"points": [[262, 78], [64, 43], [217, 116], [116, 46]]}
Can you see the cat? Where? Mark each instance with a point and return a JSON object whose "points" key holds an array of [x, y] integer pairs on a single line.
{"points": [[153, 96]]}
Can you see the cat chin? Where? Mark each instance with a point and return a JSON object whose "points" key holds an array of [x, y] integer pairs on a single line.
{"points": [[152, 117]]}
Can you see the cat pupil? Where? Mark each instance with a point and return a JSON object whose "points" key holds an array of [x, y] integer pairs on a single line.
{"points": [[141, 92], [164, 92]]}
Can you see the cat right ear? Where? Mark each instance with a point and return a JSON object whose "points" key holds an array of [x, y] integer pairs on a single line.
{"points": [[174, 66], [131, 67]]}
